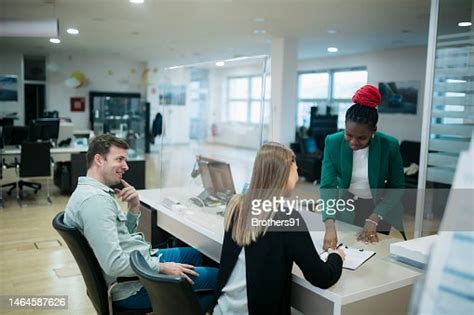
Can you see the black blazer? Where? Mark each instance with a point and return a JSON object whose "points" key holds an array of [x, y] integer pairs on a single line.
{"points": [[269, 262]]}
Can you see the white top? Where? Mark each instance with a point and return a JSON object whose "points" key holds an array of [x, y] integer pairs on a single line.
{"points": [[233, 299], [360, 174]]}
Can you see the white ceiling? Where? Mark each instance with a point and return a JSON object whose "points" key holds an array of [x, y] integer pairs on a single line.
{"points": [[179, 32]]}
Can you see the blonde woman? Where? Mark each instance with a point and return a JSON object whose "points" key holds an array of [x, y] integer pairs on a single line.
{"points": [[256, 262]]}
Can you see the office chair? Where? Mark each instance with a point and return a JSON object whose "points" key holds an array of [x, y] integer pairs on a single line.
{"points": [[168, 294], [91, 272], [35, 162]]}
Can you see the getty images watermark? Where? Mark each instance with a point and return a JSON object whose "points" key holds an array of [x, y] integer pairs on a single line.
{"points": [[287, 206]]}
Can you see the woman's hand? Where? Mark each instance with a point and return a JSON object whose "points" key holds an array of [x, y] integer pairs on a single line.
{"points": [[338, 251], [330, 236], [369, 232], [176, 269]]}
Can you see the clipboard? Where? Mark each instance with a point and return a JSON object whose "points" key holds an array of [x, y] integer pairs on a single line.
{"points": [[354, 257]]}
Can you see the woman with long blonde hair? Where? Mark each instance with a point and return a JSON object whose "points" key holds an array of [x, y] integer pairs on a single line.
{"points": [[256, 261]]}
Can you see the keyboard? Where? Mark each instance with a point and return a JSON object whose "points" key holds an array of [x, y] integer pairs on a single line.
{"points": [[169, 202]]}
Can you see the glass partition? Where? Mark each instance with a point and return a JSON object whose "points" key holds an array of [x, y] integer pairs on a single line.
{"points": [[218, 111], [451, 115]]}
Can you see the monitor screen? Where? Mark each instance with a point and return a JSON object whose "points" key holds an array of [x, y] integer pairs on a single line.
{"points": [[14, 135], [44, 129], [216, 175]]}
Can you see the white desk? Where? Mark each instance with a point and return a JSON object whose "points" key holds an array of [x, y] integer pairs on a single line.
{"points": [[58, 154], [381, 285]]}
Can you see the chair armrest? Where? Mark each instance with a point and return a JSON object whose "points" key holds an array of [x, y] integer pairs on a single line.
{"points": [[126, 279]]}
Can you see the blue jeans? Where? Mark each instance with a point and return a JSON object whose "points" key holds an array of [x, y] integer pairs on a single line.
{"points": [[207, 279]]}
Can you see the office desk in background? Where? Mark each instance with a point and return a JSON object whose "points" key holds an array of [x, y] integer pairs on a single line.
{"points": [[76, 155], [380, 286], [58, 154]]}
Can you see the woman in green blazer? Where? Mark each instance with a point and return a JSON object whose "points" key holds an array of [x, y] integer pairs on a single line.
{"points": [[365, 168]]}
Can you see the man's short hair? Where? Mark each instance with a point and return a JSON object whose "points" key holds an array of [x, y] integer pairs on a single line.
{"points": [[101, 145]]}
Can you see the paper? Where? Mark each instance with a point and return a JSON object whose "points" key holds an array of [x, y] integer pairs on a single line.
{"points": [[415, 251], [354, 257]]}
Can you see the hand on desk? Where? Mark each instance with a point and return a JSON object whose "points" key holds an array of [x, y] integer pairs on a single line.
{"points": [[129, 194], [176, 269], [330, 236], [369, 232]]}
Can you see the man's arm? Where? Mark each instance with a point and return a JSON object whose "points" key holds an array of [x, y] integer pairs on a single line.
{"points": [[100, 218]]}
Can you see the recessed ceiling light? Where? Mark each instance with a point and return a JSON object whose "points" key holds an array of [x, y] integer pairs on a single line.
{"points": [[220, 63], [259, 19], [260, 32], [136, 1], [464, 24], [54, 40], [455, 81], [332, 31], [72, 31], [332, 49]]}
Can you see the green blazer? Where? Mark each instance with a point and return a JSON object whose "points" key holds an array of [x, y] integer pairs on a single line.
{"points": [[386, 176]]}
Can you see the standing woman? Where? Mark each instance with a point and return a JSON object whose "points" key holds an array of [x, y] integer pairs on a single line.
{"points": [[256, 263], [364, 165]]}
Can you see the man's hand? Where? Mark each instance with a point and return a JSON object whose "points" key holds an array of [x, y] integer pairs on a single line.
{"points": [[129, 194], [176, 269]]}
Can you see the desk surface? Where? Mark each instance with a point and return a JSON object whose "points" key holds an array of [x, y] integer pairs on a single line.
{"points": [[378, 275], [66, 150]]}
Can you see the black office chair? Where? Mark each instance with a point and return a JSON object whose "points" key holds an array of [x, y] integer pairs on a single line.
{"points": [[91, 271], [168, 294], [35, 162]]}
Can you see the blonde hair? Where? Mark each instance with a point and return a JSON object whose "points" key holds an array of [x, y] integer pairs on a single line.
{"points": [[270, 174]]}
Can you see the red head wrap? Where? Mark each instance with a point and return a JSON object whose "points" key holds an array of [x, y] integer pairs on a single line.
{"points": [[368, 95]]}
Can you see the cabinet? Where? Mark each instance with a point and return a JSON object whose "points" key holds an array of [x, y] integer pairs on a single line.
{"points": [[124, 115]]}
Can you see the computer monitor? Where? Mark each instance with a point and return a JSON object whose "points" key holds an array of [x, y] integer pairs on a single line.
{"points": [[45, 129], [216, 178], [14, 135]]}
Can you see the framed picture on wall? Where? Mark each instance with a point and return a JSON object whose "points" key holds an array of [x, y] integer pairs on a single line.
{"points": [[8, 88], [399, 97], [78, 104]]}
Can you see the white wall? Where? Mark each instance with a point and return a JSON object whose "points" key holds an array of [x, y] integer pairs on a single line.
{"points": [[10, 63], [408, 64], [104, 73]]}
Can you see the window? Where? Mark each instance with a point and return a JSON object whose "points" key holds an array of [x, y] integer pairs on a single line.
{"points": [[331, 88], [244, 98]]}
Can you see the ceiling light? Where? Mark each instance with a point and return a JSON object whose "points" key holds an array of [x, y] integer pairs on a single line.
{"points": [[332, 31], [332, 49], [72, 31], [260, 32], [220, 63], [54, 40], [455, 81], [259, 19], [136, 1], [464, 24]]}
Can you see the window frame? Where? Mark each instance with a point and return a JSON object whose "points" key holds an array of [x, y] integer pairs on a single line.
{"points": [[330, 100], [249, 100]]}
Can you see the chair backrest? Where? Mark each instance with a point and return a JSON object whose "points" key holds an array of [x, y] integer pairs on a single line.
{"points": [[87, 262], [168, 294], [410, 152], [35, 159]]}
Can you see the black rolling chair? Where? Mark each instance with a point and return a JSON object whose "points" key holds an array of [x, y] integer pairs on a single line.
{"points": [[91, 271], [168, 294], [35, 162]]}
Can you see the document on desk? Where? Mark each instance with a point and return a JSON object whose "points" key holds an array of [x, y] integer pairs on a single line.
{"points": [[354, 257]]}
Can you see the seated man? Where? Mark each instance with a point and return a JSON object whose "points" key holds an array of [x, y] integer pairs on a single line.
{"points": [[113, 235]]}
